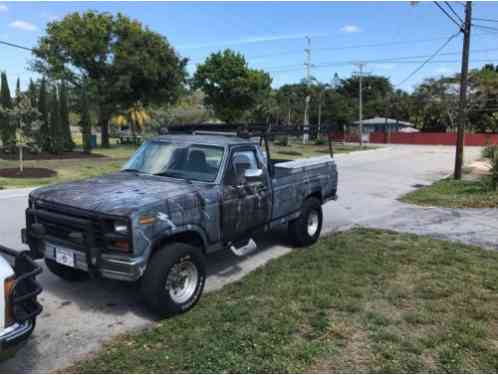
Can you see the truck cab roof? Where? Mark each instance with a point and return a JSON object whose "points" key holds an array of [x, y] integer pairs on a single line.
{"points": [[214, 140]]}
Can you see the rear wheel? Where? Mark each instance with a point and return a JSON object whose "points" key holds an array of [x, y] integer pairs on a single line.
{"points": [[306, 229], [65, 272], [174, 279]]}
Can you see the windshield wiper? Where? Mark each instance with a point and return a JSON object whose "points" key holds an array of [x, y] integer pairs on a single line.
{"points": [[131, 170], [178, 176]]}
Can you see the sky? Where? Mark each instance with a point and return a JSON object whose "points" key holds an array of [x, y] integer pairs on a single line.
{"points": [[392, 38]]}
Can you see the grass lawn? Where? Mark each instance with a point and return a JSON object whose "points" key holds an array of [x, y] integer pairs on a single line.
{"points": [[454, 194], [298, 150], [357, 301], [71, 169]]}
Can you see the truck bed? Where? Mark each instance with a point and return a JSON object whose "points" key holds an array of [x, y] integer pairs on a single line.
{"points": [[294, 180]]}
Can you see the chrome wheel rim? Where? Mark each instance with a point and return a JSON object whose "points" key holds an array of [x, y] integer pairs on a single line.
{"points": [[312, 223], [182, 281]]}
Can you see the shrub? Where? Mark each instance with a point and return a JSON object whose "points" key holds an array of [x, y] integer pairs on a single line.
{"points": [[320, 141], [490, 152]]}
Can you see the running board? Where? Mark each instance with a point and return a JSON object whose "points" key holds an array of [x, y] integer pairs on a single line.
{"points": [[245, 249]]}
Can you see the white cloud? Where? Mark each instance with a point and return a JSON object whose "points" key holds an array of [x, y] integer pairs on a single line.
{"points": [[350, 29], [3, 8], [23, 25]]}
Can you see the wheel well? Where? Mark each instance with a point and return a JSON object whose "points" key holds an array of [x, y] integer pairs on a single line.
{"points": [[317, 195], [190, 237]]}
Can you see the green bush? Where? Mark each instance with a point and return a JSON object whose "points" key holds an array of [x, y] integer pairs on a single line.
{"points": [[490, 152], [320, 141]]}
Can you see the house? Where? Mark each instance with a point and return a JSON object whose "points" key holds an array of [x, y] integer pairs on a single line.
{"points": [[382, 125]]}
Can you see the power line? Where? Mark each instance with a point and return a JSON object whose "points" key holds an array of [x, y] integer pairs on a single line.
{"points": [[409, 62], [454, 12], [484, 19], [398, 59], [16, 45], [448, 15], [484, 27], [429, 58], [367, 45]]}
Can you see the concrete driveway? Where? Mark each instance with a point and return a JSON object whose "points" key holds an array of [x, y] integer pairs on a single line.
{"points": [[78, 317]]}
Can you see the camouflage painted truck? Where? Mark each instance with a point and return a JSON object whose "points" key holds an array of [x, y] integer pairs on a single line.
{"points": [[177, 200]]}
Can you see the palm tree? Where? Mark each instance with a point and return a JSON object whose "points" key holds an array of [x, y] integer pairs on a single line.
{"points": [[135, 117]]}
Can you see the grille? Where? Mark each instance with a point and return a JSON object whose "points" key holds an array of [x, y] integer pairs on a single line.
{"points": [[62, 231]]}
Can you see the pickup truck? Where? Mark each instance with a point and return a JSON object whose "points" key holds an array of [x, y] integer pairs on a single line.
{"points": [[178, 199], [18, 299]]}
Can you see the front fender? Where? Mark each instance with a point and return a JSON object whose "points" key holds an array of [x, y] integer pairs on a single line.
{"points": [[188, 230]]}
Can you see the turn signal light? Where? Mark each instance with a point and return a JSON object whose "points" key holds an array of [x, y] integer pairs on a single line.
{"points": [[145, 220], [8, 288]]}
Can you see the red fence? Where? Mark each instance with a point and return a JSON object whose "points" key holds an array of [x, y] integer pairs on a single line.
{"points": [[478, 139]]}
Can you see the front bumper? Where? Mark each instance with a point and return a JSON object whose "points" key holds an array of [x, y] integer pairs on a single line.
{"points": [[90, 246], [110, 267], [13, 337]]}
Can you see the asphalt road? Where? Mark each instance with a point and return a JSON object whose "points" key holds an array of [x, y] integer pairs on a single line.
{"points": [[78, 317]]}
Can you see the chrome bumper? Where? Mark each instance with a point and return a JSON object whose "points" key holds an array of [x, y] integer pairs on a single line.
{"points": [[110, 267], [12, 337]]}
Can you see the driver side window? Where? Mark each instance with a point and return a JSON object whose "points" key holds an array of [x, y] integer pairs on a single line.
{"points": [[240, 162]]}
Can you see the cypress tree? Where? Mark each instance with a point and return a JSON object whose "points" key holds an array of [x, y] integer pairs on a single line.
{"points": [[85, 124], [65, 125], [18, 90], [55, 127], [32, 93], [7, 131], [45, 143]]}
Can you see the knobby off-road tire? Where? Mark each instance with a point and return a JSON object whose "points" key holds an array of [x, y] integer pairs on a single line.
{"points": [[65, 272], [174, 279], [306, 229]]}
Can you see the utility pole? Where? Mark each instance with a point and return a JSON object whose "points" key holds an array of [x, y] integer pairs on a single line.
{"points": [[307, 67], [360, 65], [462, 110]]}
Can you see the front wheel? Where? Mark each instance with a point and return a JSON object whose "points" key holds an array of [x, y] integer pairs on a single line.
{"points": [[306, 229], [174, 279]]}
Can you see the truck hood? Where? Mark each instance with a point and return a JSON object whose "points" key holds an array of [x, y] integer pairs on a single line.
{"points": [[118, 194]]}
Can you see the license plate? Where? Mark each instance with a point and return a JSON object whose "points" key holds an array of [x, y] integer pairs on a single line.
{"points": [[62, 255]]}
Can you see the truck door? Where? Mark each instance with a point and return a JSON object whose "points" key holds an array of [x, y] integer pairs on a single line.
{"points": [[246, 195]]}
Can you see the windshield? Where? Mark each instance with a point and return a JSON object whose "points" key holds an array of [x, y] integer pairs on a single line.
{"points": [[184, 161]]}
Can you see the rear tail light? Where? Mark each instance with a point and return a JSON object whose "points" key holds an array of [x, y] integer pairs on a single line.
{"points": [[8, 289]]}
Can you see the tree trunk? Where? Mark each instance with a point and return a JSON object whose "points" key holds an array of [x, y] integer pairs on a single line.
{"points": [[21, 159], [104, 128]]}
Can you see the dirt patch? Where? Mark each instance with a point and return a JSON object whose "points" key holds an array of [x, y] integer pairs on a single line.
{"points": [[478, 169], [47, 156], [27, 173]]}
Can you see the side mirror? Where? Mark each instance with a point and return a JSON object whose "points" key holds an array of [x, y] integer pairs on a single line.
{"points": [[253, 175]]}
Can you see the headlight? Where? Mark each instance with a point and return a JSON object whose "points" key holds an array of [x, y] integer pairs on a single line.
{"points": [[120, 227]]}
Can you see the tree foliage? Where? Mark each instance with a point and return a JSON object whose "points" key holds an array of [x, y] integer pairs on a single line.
{"points": [[7, 130], [55, 125], [45, 143], [85, 122], [123, 61], [67, 139], [230, 86]]}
